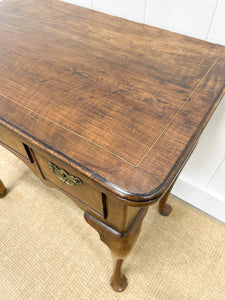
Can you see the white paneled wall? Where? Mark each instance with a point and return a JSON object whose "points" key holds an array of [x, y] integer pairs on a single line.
{"points": [[135, 12], [202, 181], [84, 3], [184, 16], [217, 29], [217, 181]]}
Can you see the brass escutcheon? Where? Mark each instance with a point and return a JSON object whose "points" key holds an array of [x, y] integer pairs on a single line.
{"points": [[64, 176]]}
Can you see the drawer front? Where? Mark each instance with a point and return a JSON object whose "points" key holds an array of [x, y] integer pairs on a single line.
{"points": [[13, 143], [70, 181]]}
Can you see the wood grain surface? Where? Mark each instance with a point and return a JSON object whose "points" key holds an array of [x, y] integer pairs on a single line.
{"points": [[121, 102]]}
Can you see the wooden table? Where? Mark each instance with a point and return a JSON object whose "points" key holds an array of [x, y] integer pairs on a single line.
{"points": [[103, 109]]}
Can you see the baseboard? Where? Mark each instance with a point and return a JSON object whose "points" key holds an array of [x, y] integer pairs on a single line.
{"points": [[200, 198]]}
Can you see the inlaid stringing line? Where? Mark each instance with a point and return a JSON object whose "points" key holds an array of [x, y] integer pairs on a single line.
{"points": [[77, 134], [193, 91], [103, 148]]}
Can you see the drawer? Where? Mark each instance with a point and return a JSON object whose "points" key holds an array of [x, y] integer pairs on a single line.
{"points": [[70, 181], [13, 143]]}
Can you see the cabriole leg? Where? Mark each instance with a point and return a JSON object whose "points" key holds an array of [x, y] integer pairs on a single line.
{"points": [[2, 189], [163, 207], [120, 244]]}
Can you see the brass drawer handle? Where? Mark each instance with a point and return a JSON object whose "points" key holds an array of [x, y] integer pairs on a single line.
{"points": [[64, 176]]}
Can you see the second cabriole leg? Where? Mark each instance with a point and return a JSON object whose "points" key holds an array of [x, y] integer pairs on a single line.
{"points": [[163, 207], [120, 244], [2, 189]]}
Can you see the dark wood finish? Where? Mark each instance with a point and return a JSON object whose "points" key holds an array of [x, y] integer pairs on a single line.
{"points": [[86, 193], [119, 244], [90, 83], [14, 144], [118, 104], [2, 189]]}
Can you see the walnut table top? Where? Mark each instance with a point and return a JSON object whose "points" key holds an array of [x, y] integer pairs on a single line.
{"points": [[121, 103]]}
